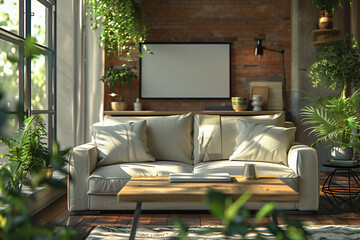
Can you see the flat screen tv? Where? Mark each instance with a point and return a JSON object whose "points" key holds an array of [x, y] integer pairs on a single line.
{"points": [[185, 70]]}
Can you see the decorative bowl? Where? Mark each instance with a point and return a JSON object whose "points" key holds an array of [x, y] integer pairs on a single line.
{"points": [[240, 103]]}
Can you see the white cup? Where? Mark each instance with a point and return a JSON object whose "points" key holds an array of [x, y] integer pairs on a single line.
{"points": [[250, 172]]}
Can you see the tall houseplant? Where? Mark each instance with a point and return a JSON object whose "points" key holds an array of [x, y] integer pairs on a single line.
{"points": [[334, 118], [122, 22], [121, 76]]}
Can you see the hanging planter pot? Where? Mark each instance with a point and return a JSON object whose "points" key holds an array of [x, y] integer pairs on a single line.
{"points": [[325, 20]]}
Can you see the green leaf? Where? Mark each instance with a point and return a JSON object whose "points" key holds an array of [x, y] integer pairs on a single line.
{"points": [[233, 209], [218, 202], [265, 211]]}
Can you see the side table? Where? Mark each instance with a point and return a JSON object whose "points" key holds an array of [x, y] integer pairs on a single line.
{"points": [[342, 193]]}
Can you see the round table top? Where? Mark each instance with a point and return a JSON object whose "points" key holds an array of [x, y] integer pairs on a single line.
{"points": [[332, 165]]}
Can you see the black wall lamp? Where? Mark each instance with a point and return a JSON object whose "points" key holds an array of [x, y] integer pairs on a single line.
{"points": [[259, 51]]}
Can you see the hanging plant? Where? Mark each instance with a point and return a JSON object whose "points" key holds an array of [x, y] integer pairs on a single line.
{"points": [[123, 23], [337, 63]]}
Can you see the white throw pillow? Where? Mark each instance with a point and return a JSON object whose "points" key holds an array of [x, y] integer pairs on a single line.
{"points": [[121, 143], [257, 142]]}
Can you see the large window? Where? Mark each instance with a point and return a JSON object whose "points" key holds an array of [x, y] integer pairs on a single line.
{"points": [[27, 79]]}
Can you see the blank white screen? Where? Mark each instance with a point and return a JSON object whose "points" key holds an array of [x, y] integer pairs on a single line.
{"points": [[185, 70]]}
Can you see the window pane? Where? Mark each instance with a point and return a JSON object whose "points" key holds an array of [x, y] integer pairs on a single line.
{"points": [[39, 23], [9, 73], [9, 15], [39, 83]]}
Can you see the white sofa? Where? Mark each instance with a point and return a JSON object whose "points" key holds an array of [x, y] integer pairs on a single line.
{"points": [[184, 144]]}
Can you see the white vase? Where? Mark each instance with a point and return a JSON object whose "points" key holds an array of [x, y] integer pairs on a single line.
{"points": [[257, 102], [137, 105]]}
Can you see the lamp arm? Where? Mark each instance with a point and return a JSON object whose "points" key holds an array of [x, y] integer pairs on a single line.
{"points": [[274, 50]]}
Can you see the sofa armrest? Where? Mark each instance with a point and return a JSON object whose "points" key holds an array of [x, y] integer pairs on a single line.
{"points": [[82, 163], [303, 160]]}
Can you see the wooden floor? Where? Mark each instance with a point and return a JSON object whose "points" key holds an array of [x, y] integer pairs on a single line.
{"points": [[57, 215]]}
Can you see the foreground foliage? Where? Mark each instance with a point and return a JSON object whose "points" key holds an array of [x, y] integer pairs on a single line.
{"points": [[235, 219]]}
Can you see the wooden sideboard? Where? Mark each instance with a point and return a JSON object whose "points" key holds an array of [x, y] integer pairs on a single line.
{"points": [[166, 113]]}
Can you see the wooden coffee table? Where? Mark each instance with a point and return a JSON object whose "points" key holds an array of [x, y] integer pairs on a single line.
{"points": [[159, 189]]}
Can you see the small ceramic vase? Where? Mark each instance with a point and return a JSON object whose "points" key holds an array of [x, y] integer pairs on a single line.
{"points": [[137, 105], [257, 102]]}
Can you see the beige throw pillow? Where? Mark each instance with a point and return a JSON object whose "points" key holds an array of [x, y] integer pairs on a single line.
{"points": [[257, 142], [121, 143], [229, 129], [169, 137]]}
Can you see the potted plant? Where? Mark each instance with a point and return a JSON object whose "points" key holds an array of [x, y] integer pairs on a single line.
{"points": [[327, 8], [121, 76], [123, 25], [335, 120], [27, 152]]}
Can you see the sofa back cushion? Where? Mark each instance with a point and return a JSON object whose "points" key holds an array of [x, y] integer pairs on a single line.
{"points": [[169, 137], [121, 143]]}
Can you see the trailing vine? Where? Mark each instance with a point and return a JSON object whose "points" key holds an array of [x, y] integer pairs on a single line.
{"points": [[123, 23]]}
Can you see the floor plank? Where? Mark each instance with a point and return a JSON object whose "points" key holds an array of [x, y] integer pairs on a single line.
{"points": [[57, 215]]}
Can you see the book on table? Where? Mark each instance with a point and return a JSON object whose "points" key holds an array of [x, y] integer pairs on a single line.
{"points": [[199, 177]]}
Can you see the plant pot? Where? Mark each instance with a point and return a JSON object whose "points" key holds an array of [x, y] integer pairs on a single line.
{"points": [[240, 103], [47, 172], [325, 20], [118, 106], [342, 153]]}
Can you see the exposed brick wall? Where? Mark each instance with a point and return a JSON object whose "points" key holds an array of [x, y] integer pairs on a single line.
{"points": [[235, 21]]}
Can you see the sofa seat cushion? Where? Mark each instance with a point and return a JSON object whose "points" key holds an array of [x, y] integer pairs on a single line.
{"points": [[237, 168], [110, 179]]}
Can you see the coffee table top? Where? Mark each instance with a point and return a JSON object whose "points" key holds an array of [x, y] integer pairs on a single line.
{"points": [[159, 189]]}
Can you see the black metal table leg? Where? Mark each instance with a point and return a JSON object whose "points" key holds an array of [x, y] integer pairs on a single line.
{"points": [[136, 220], [342, 193]]}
